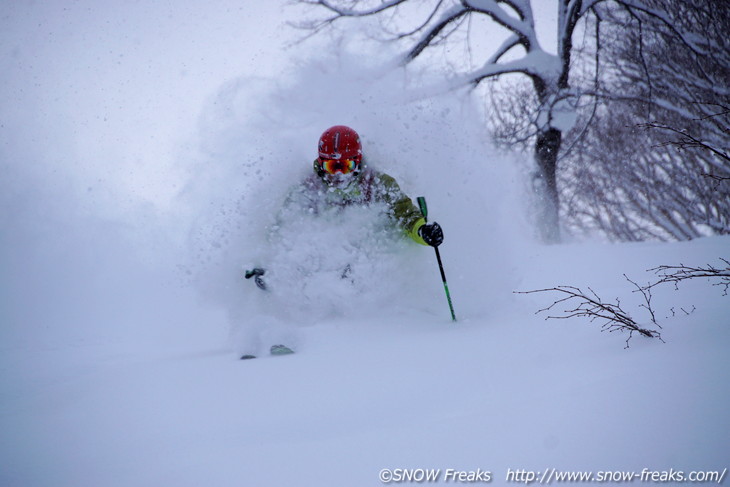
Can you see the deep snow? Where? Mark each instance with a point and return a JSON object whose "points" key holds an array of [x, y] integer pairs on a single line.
{"points": [[401, 388], [123, 307]]}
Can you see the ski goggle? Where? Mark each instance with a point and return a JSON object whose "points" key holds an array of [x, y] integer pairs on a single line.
{"points": [[333, 166]]}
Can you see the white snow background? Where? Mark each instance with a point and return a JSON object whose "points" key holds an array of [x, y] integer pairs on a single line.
{"points": [[144, 150]]}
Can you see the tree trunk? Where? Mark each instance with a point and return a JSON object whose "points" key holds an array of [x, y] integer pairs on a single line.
{"points": [[547, 147]]}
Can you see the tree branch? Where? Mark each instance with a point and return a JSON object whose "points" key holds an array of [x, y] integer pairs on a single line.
{"points": [[686, 140], [675, 274], [591, 306], [346, 12], [427, 39], [636, 5]]}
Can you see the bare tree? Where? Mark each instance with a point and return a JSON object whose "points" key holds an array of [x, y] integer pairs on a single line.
{"points": [[626, 184], [653, 162], [436, 21]]}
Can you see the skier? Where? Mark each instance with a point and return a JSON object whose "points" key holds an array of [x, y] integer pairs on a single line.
{"points": [[341, 178]]}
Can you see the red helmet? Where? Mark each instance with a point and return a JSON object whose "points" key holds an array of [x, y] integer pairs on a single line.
{"points": [[340, 143]]}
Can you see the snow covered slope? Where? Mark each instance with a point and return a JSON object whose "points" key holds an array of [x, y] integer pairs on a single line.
{"points": [[400, 390]]}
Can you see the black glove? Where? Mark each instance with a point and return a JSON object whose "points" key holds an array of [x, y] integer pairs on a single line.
{"points": [[432, 234], [256, 274]]}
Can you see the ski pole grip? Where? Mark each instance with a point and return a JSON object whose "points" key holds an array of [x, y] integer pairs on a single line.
{"points": [[422, 204]]}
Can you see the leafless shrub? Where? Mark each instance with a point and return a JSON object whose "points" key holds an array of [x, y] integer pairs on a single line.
{"points": [[612, 316], [589, 305], [675, 274]]}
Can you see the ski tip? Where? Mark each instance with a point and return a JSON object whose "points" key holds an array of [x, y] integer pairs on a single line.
{"points": [[275, 350]]}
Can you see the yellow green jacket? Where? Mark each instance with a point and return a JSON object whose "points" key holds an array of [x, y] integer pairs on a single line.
{"points": [[370, 186]]}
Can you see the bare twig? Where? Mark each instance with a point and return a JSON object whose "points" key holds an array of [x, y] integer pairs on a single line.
{"points": [[685, 139], [677, 273], [591, 306], [717, 179], [646, 292]]}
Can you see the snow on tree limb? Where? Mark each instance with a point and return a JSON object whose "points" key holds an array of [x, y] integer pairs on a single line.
{"points": [[523, 27], [537, 63], [423, 24], [511, 42], [451, 15]]}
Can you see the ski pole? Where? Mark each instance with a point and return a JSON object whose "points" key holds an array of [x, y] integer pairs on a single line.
{"points": [[424, 212]]}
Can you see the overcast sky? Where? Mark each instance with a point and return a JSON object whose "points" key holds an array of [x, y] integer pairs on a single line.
{"points": [[118, 84]]}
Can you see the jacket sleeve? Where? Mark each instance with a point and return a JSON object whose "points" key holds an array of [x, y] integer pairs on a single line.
{"points": [[403, 210], [300, 200]]}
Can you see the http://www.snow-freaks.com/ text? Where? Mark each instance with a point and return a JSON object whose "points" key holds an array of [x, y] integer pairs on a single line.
{"points": [[547, 476]]}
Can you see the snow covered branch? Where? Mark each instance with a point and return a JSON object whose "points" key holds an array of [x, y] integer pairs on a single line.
{"points": [[442, 17], [446, 19]]}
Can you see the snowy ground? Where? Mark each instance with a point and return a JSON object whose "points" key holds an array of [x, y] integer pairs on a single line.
{"points": [[499, 392], [134, 193]]}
